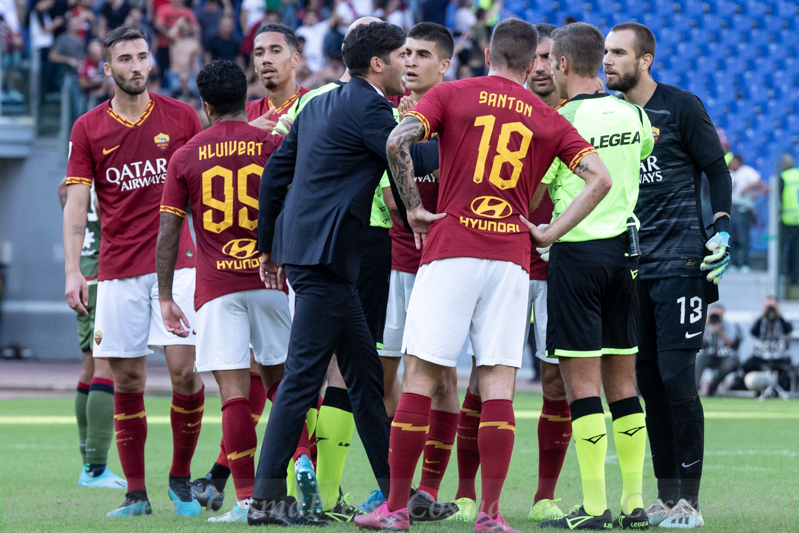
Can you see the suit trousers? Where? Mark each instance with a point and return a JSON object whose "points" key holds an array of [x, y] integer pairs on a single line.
{"points": [[328, 318]]}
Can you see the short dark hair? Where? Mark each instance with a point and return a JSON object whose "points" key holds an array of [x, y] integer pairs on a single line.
{"points": [[583, 45], [435, 33], [739, 158], [644, 38], [377, 39], [223, 84], [545, 30], [120, 35], [513, 45], [288, 35]]}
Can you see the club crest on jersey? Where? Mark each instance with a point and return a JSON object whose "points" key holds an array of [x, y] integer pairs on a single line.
{"points": [[240, 248], [491, 207], [655, 133], [98, 337], [162, 141]]}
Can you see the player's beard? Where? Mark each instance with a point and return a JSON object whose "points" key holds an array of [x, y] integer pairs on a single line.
{"points": [[542, 94], [624, 83], [129, 87]]}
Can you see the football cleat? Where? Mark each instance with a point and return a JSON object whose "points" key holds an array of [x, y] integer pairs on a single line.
{"points": [[657, 512], [307, 488], [423, 508], [637, 519], [106, 480], [374, 501], [381, 519], [206, 493], [545, 510], [486, 524], [180, 494], [467, 510], [342, 511], [237, 514], [131, 507], [579, 519], [683, 516]]}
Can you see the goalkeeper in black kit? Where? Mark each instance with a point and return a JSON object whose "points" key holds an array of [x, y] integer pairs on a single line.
{"points": [[679, 268]]}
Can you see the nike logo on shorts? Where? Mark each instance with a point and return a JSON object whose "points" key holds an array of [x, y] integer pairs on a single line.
{"points": [[692, 335], [692, 464]]}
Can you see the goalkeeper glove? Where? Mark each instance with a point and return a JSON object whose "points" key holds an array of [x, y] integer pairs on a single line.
{"points": [[719, 258]]}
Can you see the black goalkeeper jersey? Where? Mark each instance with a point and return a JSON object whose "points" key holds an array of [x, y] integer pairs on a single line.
{"points": [[672, 234]]}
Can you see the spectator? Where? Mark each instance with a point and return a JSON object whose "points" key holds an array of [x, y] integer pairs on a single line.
{"points": [[745, 185], [185, 54], [209, 18], [86, 21], [363, 8], [69, 49], [136, 20], [91, 78], [313, 31], [789, 218], [112, 16], [435, 11], [346, 13], [58, 12], [165, 18], [223, 45], [772, 335], [719, 348], [40, 26], [397, 13], [252, 12], [465, 19]]}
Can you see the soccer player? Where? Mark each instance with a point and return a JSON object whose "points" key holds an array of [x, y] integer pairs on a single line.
{"points": [[275, 58], [94, 400], [473, 278], [674, 296], [592, 303], [218, 173], [428, 54], [122, 147], [554, 424]]}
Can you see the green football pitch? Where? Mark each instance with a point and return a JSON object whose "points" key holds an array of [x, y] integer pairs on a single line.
{"points": [[751, 472]]}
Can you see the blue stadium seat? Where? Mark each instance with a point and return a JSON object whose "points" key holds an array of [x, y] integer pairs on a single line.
{"points": [[693, 8]]}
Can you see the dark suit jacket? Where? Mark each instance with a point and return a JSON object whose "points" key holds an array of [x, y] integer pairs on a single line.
{"points": [[333, 159]]}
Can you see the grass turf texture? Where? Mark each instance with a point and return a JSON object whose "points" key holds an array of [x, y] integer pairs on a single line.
{"points": [[750, 483]]}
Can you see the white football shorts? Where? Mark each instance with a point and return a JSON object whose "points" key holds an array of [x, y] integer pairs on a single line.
{"points": [[483, 298], [228, 325], [128, 320], [399, 296]]}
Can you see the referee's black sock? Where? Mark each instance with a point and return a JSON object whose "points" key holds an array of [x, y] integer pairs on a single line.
{"points": [[678, 369], [660, 428]]}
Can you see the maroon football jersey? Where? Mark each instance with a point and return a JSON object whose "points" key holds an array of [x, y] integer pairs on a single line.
{"points": [[127, 161], [496, 142], [541, 215], [219, 172], [256, 108]]}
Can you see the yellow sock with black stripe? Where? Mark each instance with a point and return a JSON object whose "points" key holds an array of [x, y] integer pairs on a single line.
{"points": [[629, 434], [591, 444], [334, 430]]}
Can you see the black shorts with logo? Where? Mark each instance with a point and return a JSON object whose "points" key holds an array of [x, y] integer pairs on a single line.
{"points": [[673, 312], [592, 300]]}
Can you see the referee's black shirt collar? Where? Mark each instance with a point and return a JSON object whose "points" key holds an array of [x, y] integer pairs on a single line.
{"points": [[589, 96]]}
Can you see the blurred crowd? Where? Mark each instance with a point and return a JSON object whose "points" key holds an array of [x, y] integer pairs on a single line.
{"points": [[184, 35]]}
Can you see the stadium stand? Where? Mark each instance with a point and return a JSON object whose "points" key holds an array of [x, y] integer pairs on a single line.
{"points": [[740, 57]]}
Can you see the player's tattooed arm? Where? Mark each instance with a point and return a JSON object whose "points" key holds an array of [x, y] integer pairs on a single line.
{"points": [[398, 148], [166, 253], [76, 290]]}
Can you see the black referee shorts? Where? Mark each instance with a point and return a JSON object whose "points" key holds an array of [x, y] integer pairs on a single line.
{"points": [[373, 281], [673, 312], [593, 299]]}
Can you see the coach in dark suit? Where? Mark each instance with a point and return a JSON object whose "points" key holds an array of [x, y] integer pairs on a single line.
{"points": [[333, 158]]}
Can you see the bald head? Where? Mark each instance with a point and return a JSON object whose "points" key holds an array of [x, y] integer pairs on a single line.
{"points": [[787, 162], [360, 22]]}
